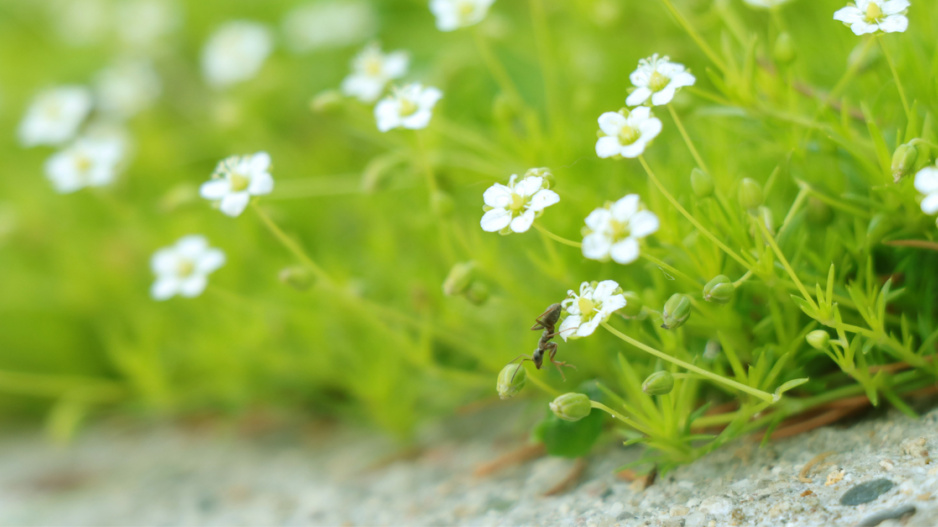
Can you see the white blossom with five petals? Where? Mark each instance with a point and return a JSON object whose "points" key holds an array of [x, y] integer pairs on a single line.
{"points": [[371, 72], [454, 14], [926, 182], [88, 162], [766, 4], [593, 306], [658, 79], [409, 106], [183, 269], [614, 230], [55, 115], [513, 207], [626, 134], [236, 179], [870, 16], [235, 52]]}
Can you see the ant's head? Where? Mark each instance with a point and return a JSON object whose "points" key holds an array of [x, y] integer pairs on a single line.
{"points": [[538, 358]]}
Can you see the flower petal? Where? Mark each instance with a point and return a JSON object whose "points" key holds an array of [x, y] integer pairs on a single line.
{"points": [[848, 15], [495, 220], [596, 246], [611, 123], [193, 286], [623, 209], [930, 204], [587, 328], [894, 7], [164, 262], [604, 290], [599, 219], [211, 260], [234, 204], [650, 129], [664, 96], [567, 327], [260, 162], [625, 252], [543, 199], [529, 185], [164, 288], [261, 183], [523, 222], [497, 196], [639, 96], [926, 181], [191, 246], [215, 189], [612, 304], [643, 223], [894, 24], [608, 147]]}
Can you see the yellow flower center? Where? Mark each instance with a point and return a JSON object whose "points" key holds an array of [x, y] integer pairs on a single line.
{"points": [[238, 182], [83, 163], [517, 202], [586, 307], [408, 108], [373, 66], [628, 135], [658, 82], [873, 13], [465, 10], [185, 268], [620, 229]]}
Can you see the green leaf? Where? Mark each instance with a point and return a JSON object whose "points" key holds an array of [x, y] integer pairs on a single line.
{"points": [[570, 439]]}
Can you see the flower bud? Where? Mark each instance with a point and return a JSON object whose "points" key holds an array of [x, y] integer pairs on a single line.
{"points": [[571, 406], [459, 277], [633, 304], [326, 101], [676, 311], [658, 383], [750, 194], [511, 380], [478, 293], [701, 183], [542, 172], [818, 339], [719, 290], [903, 161], [712, 349], [441, 203], [299, 278], [784, 49], [504, 109], [818, 212]]}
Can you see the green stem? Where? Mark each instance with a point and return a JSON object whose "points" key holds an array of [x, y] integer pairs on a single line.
{"points": [[795, 206], [781, 257], [895, 75], [690, 144], [668, 268], [496, 68], [690, 367], [600, 406], [291, 245], [708, 51], [703, 230], [559, 239]]}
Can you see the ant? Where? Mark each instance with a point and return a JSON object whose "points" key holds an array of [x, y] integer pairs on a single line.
{"points": [[546, 321]]}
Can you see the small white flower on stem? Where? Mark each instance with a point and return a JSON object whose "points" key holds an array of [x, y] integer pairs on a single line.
{"points": [[328, 24], [658, 79], [236, 179], [766, 4], [409, 106], [926, 182], [88, 162], [593, 306], [614, 230], [127, 88], [235, 52], [55, 115], [513, 207], [626, 133], [870, 16], [371, 72], [455, 14], [183, 269]]}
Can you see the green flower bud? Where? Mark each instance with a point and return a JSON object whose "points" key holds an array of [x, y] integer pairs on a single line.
{"points": [[478, 293], [326, 101], [676, 311], [863, 56], [571, 406], [504, 109], [750, 194], [633, 304], [459, 277], [719, 290], [658, 383], [542, 172], [818, 212], [701, 183], [903, 161], [818, 339], [441, 203], [712, 349], [784, 49], [510, 381], [299, 278]]}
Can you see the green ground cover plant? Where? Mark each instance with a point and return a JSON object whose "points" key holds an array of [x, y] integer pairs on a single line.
{"points": [[358, 209]]}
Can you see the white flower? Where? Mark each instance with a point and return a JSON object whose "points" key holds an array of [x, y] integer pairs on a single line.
{"points": [[658, 79], [766, 4], [329, 24], [594, 305], [55, 115], [79, 22], [514, 207], [236, 179], [926, 182], [870, 16], [614, 230], [127, 88], [410, 106], [235, 52], [371, 72], [142, 23], [183, 268], [626, 135], [89, 162], [454, 14]]}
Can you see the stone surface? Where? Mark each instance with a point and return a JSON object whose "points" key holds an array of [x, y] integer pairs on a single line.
{"points": [[866, 492]]}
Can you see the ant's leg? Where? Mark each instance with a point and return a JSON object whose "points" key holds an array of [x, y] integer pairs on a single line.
{"points": [[552, 335], [558, 364], [523, 358]]}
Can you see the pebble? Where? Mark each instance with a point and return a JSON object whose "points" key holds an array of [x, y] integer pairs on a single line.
{"points": [[889, 514], [866, 492], [914, 447]]}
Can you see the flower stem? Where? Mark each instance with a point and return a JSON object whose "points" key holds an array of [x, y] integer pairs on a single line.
{"points": [[781, 257], [600, 406], [690, 144], [895, 75], [701, 43], [556, 238], [291, 244], [690, 367], [668, 268], [703, 230]]}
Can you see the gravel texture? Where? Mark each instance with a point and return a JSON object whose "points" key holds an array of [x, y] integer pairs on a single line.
{"points": [[265, 473]]}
